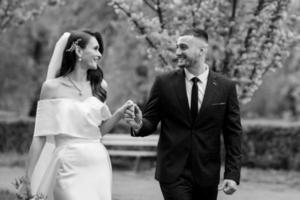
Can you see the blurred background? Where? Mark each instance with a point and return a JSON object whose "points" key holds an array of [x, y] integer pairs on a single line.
{"points": [[26, 49], [255, 43]]}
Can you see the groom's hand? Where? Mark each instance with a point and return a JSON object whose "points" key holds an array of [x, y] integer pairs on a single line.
{"points": [[133, 116], [228, 186]]}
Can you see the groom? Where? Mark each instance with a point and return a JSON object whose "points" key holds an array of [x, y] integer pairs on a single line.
{"points": [[195, 107]]}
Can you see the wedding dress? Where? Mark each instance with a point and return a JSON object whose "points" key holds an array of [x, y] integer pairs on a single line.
{"points": [[74, 164]]}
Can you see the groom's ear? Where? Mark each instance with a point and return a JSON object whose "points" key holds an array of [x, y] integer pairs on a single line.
{"points": [[200, 51]]}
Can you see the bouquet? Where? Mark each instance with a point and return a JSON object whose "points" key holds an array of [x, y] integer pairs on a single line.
{"points": [[23, 190]]}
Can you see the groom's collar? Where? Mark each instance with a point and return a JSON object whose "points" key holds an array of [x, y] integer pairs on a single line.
{"points": [[202, 77]]}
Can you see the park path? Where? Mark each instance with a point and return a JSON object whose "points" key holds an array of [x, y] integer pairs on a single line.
{"points": [[142, 186], [128, 185]]}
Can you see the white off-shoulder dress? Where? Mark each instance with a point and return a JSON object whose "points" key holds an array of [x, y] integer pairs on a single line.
{"points": [[74, 164]]}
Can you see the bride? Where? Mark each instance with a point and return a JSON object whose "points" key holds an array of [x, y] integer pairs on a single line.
{"points": [[66, 159]]}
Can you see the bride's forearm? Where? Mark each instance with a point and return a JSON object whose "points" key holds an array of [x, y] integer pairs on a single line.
{"points": [[107, 125], [34, 154]]}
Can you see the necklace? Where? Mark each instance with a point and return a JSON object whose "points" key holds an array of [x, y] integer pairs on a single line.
{"points": [[75, 86]]}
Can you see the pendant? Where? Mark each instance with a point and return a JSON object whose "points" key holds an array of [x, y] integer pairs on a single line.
{"points": [[80, 93]]}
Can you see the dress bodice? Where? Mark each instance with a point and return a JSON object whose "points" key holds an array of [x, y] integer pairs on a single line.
{"points": [[70, 117]]}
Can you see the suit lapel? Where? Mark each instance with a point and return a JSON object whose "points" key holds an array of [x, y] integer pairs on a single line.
{"points": [[180, 90], [210, 92]]}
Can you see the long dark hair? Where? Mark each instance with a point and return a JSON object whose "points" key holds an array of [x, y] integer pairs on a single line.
{"points": [[69, 60]]}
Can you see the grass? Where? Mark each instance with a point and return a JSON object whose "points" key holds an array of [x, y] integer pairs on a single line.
{"points": [[290, 178], [281, 177], [128, 185], [7, 195]]}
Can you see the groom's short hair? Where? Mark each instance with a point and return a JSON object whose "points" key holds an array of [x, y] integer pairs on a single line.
{"points": [[196, 32]]}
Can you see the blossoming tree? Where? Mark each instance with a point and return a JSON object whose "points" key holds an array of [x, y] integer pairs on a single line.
{"points": [[17, 12], [248, 38]]}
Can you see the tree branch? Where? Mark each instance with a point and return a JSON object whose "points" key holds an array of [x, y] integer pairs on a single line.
{"points": [[276, 16], [259, 8], [233, 11], [142, 31], [152, 1], [149, 5], [281, 6], [160, 14], [6, 19], [228, 53]]}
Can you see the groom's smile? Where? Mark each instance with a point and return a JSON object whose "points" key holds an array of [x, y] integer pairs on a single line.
{"points": [[181, 60]]}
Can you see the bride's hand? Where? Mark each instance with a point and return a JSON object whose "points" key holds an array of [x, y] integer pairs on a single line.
{"points": [[129, 105], [24, 189]]}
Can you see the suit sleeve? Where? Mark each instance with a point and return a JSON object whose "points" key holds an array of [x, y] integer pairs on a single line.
{"points": [[232, 133], [151, 114]]}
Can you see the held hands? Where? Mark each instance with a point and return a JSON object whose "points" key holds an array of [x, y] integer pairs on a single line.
{"points": [[122, 110], [133, 116], [228, 186]]}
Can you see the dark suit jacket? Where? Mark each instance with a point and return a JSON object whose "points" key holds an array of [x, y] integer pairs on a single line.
{"points": [[181, 137]]}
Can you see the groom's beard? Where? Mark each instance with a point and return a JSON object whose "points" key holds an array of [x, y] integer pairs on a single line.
{"points": [[184, 62]]}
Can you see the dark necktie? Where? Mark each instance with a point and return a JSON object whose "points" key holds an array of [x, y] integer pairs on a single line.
{"points": [[194, 99]]}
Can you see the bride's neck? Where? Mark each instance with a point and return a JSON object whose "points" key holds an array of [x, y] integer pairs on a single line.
{"points": [[78, 74]]}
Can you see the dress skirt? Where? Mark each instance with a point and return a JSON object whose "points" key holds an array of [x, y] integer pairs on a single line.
{"points": [[80, 169]]}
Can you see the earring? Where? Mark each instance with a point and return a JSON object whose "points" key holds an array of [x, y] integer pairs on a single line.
{"points": [[79, 59]]}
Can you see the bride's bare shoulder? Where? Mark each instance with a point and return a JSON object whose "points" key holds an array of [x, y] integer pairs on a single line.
{"points": [[50, 88]]}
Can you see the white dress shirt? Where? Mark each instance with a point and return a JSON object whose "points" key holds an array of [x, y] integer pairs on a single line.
{"points": [[201, 85]]}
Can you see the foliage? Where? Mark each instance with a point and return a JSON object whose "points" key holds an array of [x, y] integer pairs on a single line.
{"points": [[32, 45], [266, 144], [17, 12], [248, 39], [16, 135], [25, 52], [27, 48], [13, 160], [7, 195]]}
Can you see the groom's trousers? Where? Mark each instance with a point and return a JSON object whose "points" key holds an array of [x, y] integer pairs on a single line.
{"points": [[186, 188]]}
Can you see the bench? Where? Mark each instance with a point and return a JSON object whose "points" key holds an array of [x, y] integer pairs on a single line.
{"points": [[124, 145]]}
